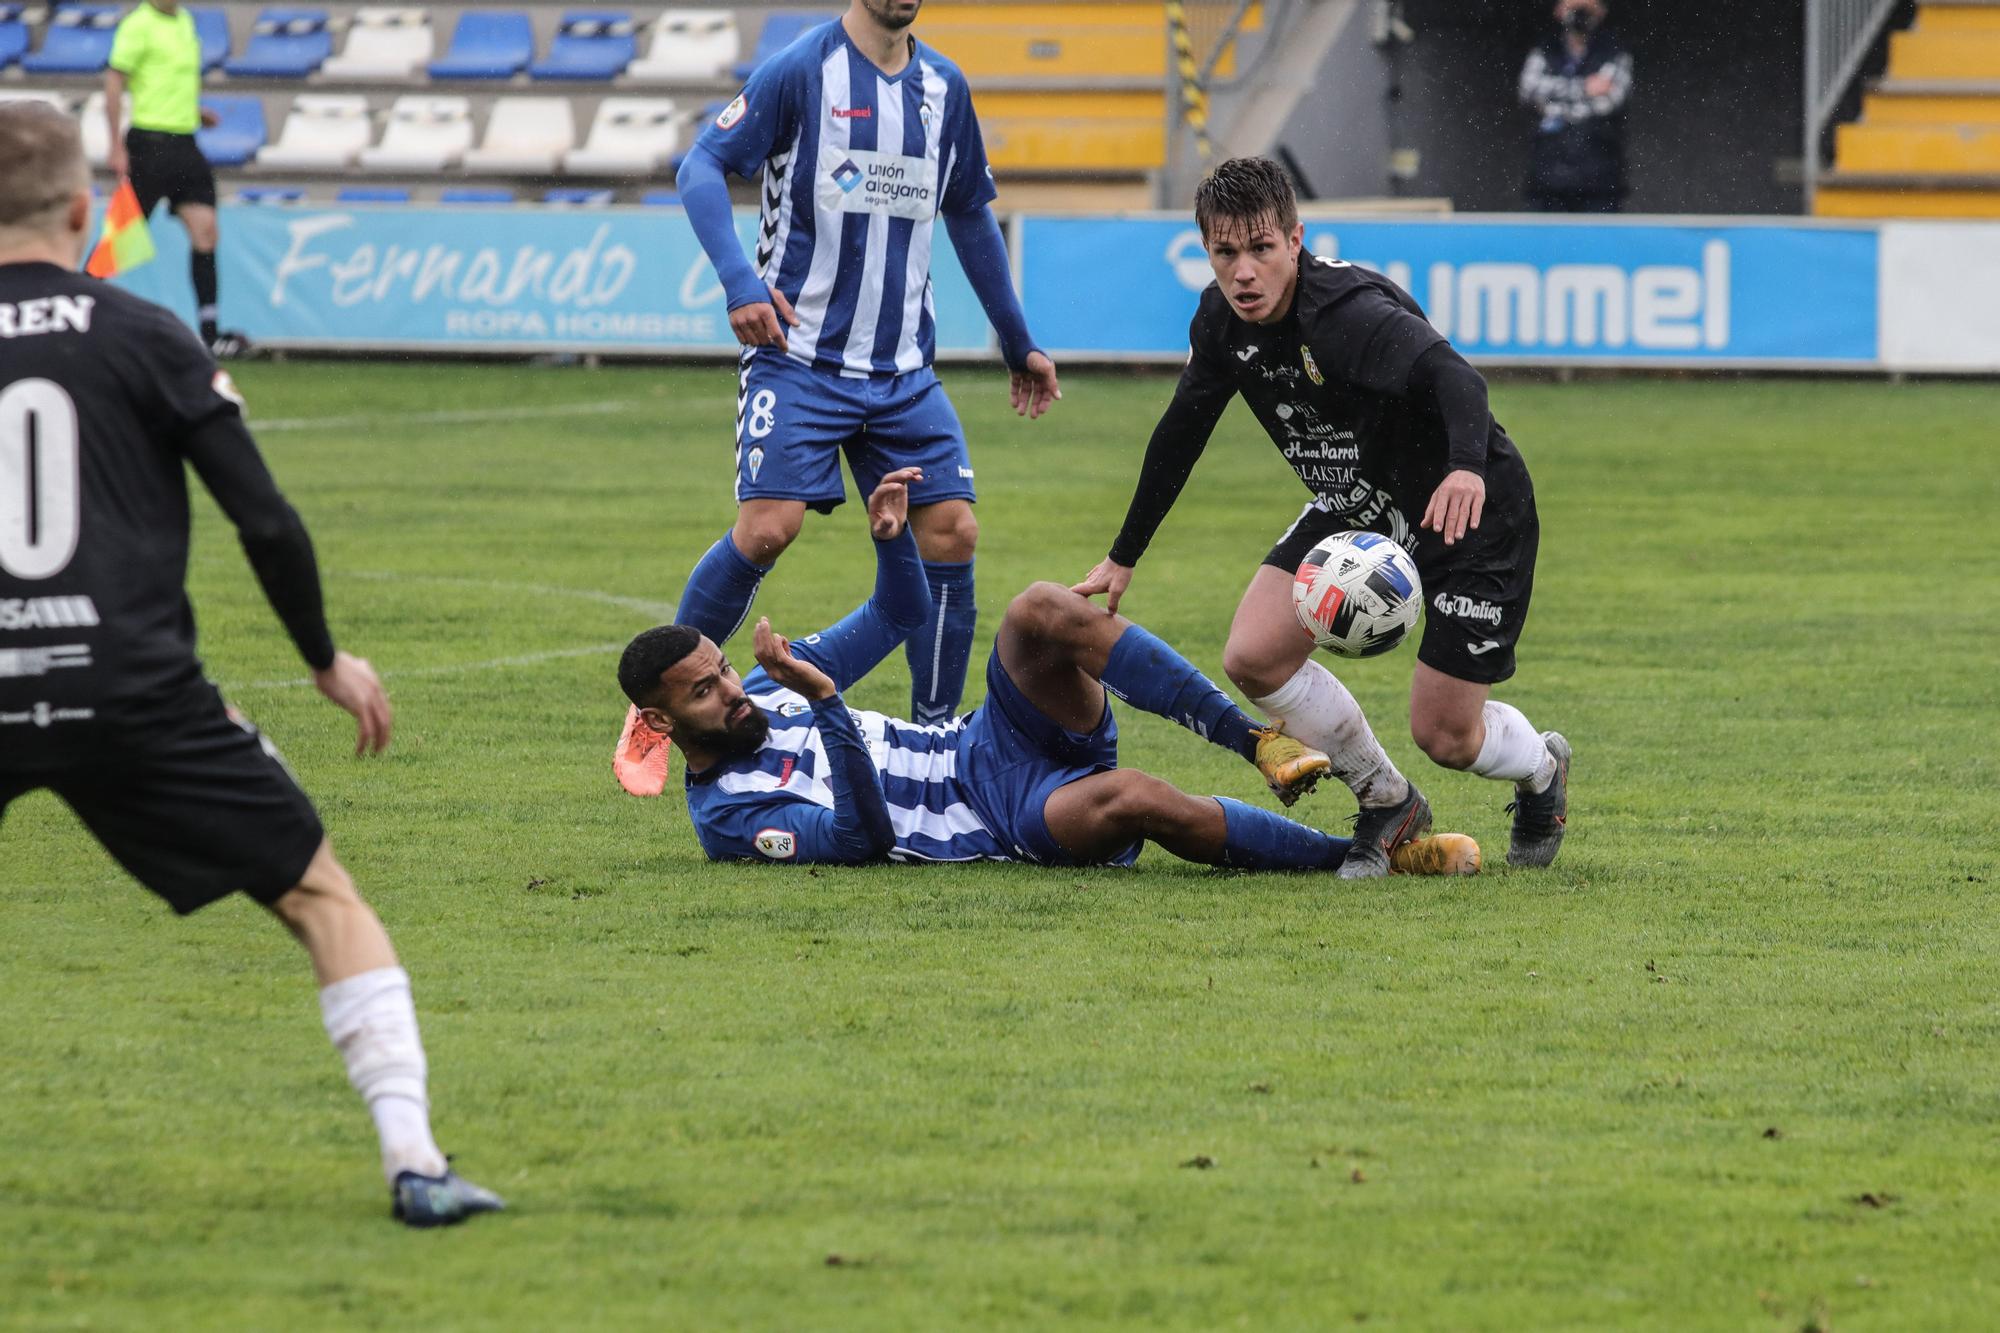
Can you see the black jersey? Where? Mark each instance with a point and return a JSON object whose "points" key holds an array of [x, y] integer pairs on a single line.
{"points": [[103, 398], [1331, 384]]}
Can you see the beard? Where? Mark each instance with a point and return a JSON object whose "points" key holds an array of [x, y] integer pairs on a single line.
{"points": [[889, 13], [735, 741]]}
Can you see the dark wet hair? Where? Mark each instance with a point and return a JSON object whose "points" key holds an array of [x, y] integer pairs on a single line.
{"points": [[650, 656], [1246, 190]]}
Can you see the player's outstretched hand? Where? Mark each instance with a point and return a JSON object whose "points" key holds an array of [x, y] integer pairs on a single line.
{"points": [[353, 684], [889, 503], [763, 323], [1033, 388], [1109, 578], [774, 654], [1456, 505]]}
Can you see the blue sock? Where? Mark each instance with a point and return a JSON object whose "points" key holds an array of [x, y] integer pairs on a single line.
{"points": [[1145, 672], [939, 652], [717, 598], [1255, 839]]}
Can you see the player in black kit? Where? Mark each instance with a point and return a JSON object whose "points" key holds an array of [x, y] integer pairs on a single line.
{"points": [[104, 400], [1388, 428]]}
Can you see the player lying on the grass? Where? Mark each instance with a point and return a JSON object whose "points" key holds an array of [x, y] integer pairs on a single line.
{"points": [[104, 400], [1382, 421], [779, 767]]}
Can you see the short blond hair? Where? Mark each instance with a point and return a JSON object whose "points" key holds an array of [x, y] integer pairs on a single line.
{"points": [[41, 165]]}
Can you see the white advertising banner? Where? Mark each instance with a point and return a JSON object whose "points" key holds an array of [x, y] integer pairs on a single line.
{"points": [[1940, 296]]}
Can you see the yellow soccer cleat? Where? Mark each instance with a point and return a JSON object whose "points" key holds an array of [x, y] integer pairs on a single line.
{"points": [[1290, 767], [1438, 854]]}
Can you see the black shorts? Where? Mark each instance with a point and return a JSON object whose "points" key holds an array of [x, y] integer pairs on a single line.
{"points": [[1475, 594], [195, 810], [169, 167]]}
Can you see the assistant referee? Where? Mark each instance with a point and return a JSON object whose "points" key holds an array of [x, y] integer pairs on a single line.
{"points": [[158, 56]]}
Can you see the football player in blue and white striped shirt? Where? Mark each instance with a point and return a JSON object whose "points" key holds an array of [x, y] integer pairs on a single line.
{"points": [[862, 138], [780, 769]]}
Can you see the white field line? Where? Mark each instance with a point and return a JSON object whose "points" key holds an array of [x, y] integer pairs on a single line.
{"points": [[656, 610], [461, 417]]}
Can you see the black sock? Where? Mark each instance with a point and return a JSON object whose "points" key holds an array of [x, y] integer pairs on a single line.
{"points": [[202, 266]]}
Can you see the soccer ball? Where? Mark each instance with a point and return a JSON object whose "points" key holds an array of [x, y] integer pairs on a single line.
{"points": [[1357, 594]]}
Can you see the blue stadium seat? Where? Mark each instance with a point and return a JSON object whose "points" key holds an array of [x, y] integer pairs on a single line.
{"points": [[491, 45], [661, 198], [13, 34], [238, 131], [578, 197], [284, 44], [590, 44], [475, 194], [372, 194], [78, 41], [780, 31], [212, 27], [271, 194]]}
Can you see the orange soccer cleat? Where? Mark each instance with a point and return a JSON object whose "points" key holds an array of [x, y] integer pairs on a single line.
{"points": [[640, 761]]}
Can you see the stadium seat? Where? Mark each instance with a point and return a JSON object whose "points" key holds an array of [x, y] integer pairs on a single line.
{"points": [[578, 198], [632, 136], [324, 131], [97, 134], [661, 198], [689, 45], [238, 131], [284, 44], [211, 28], [780, 30], [589, 45], [271, 194], [524, 136], [13, 34], [495, 45], [425, 133], [372, 194], [476, 194], [383, 46], [78, 41]]}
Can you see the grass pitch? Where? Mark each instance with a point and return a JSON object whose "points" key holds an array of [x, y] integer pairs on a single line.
{"points": [[1729, 1064]]}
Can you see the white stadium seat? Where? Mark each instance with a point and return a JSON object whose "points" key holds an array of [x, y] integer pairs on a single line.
{"points": [[689, 44], [96, 134], [425, 133], [524, 136], [384, 45], [631, 136], [324, 131]]}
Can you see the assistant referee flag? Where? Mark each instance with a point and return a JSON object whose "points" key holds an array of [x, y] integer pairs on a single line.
{"points": [[126, 243]]}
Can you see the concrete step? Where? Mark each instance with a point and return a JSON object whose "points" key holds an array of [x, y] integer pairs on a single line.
{"points": [[1929, 149]]}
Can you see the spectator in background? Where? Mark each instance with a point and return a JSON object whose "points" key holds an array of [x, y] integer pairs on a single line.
{"points": [[1577, 81]]}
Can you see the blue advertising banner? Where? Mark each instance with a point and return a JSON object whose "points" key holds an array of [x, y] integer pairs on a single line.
{"points": [[484, 279], [1514, 291]]}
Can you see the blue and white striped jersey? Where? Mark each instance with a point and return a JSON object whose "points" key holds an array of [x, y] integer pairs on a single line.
{"points": [[737, 807], [856, 167]]}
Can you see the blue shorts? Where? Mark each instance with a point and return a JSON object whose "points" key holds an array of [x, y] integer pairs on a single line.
{"points": [[793, 422], [1013, 758]]}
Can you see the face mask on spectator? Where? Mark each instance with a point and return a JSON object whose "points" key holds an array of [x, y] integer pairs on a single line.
{"points": [[1579, 20]]}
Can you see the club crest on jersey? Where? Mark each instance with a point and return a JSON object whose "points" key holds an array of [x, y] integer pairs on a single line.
{"points": [[776, 844], [732, 113], [756, 461], [226, 388], [924, 114], [793, 708], [1312, 366]]}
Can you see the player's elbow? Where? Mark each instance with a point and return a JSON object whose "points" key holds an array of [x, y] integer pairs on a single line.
{"points": [[269, 526], [699, 168]]}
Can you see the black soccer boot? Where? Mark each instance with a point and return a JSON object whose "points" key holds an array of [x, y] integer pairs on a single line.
{"points": [[1541, 818], [1381, 830], [229, 345], [439, 1201]]}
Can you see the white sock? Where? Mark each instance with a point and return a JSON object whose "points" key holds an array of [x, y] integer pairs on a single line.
{"points": [[1514, 751], [373, 1024], [1317, 709]]}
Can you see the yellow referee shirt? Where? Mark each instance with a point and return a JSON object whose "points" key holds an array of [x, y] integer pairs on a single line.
{"points": [[160, 57]]}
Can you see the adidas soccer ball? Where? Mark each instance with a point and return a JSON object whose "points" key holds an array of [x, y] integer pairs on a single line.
{"points": [[1357, 594]]}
